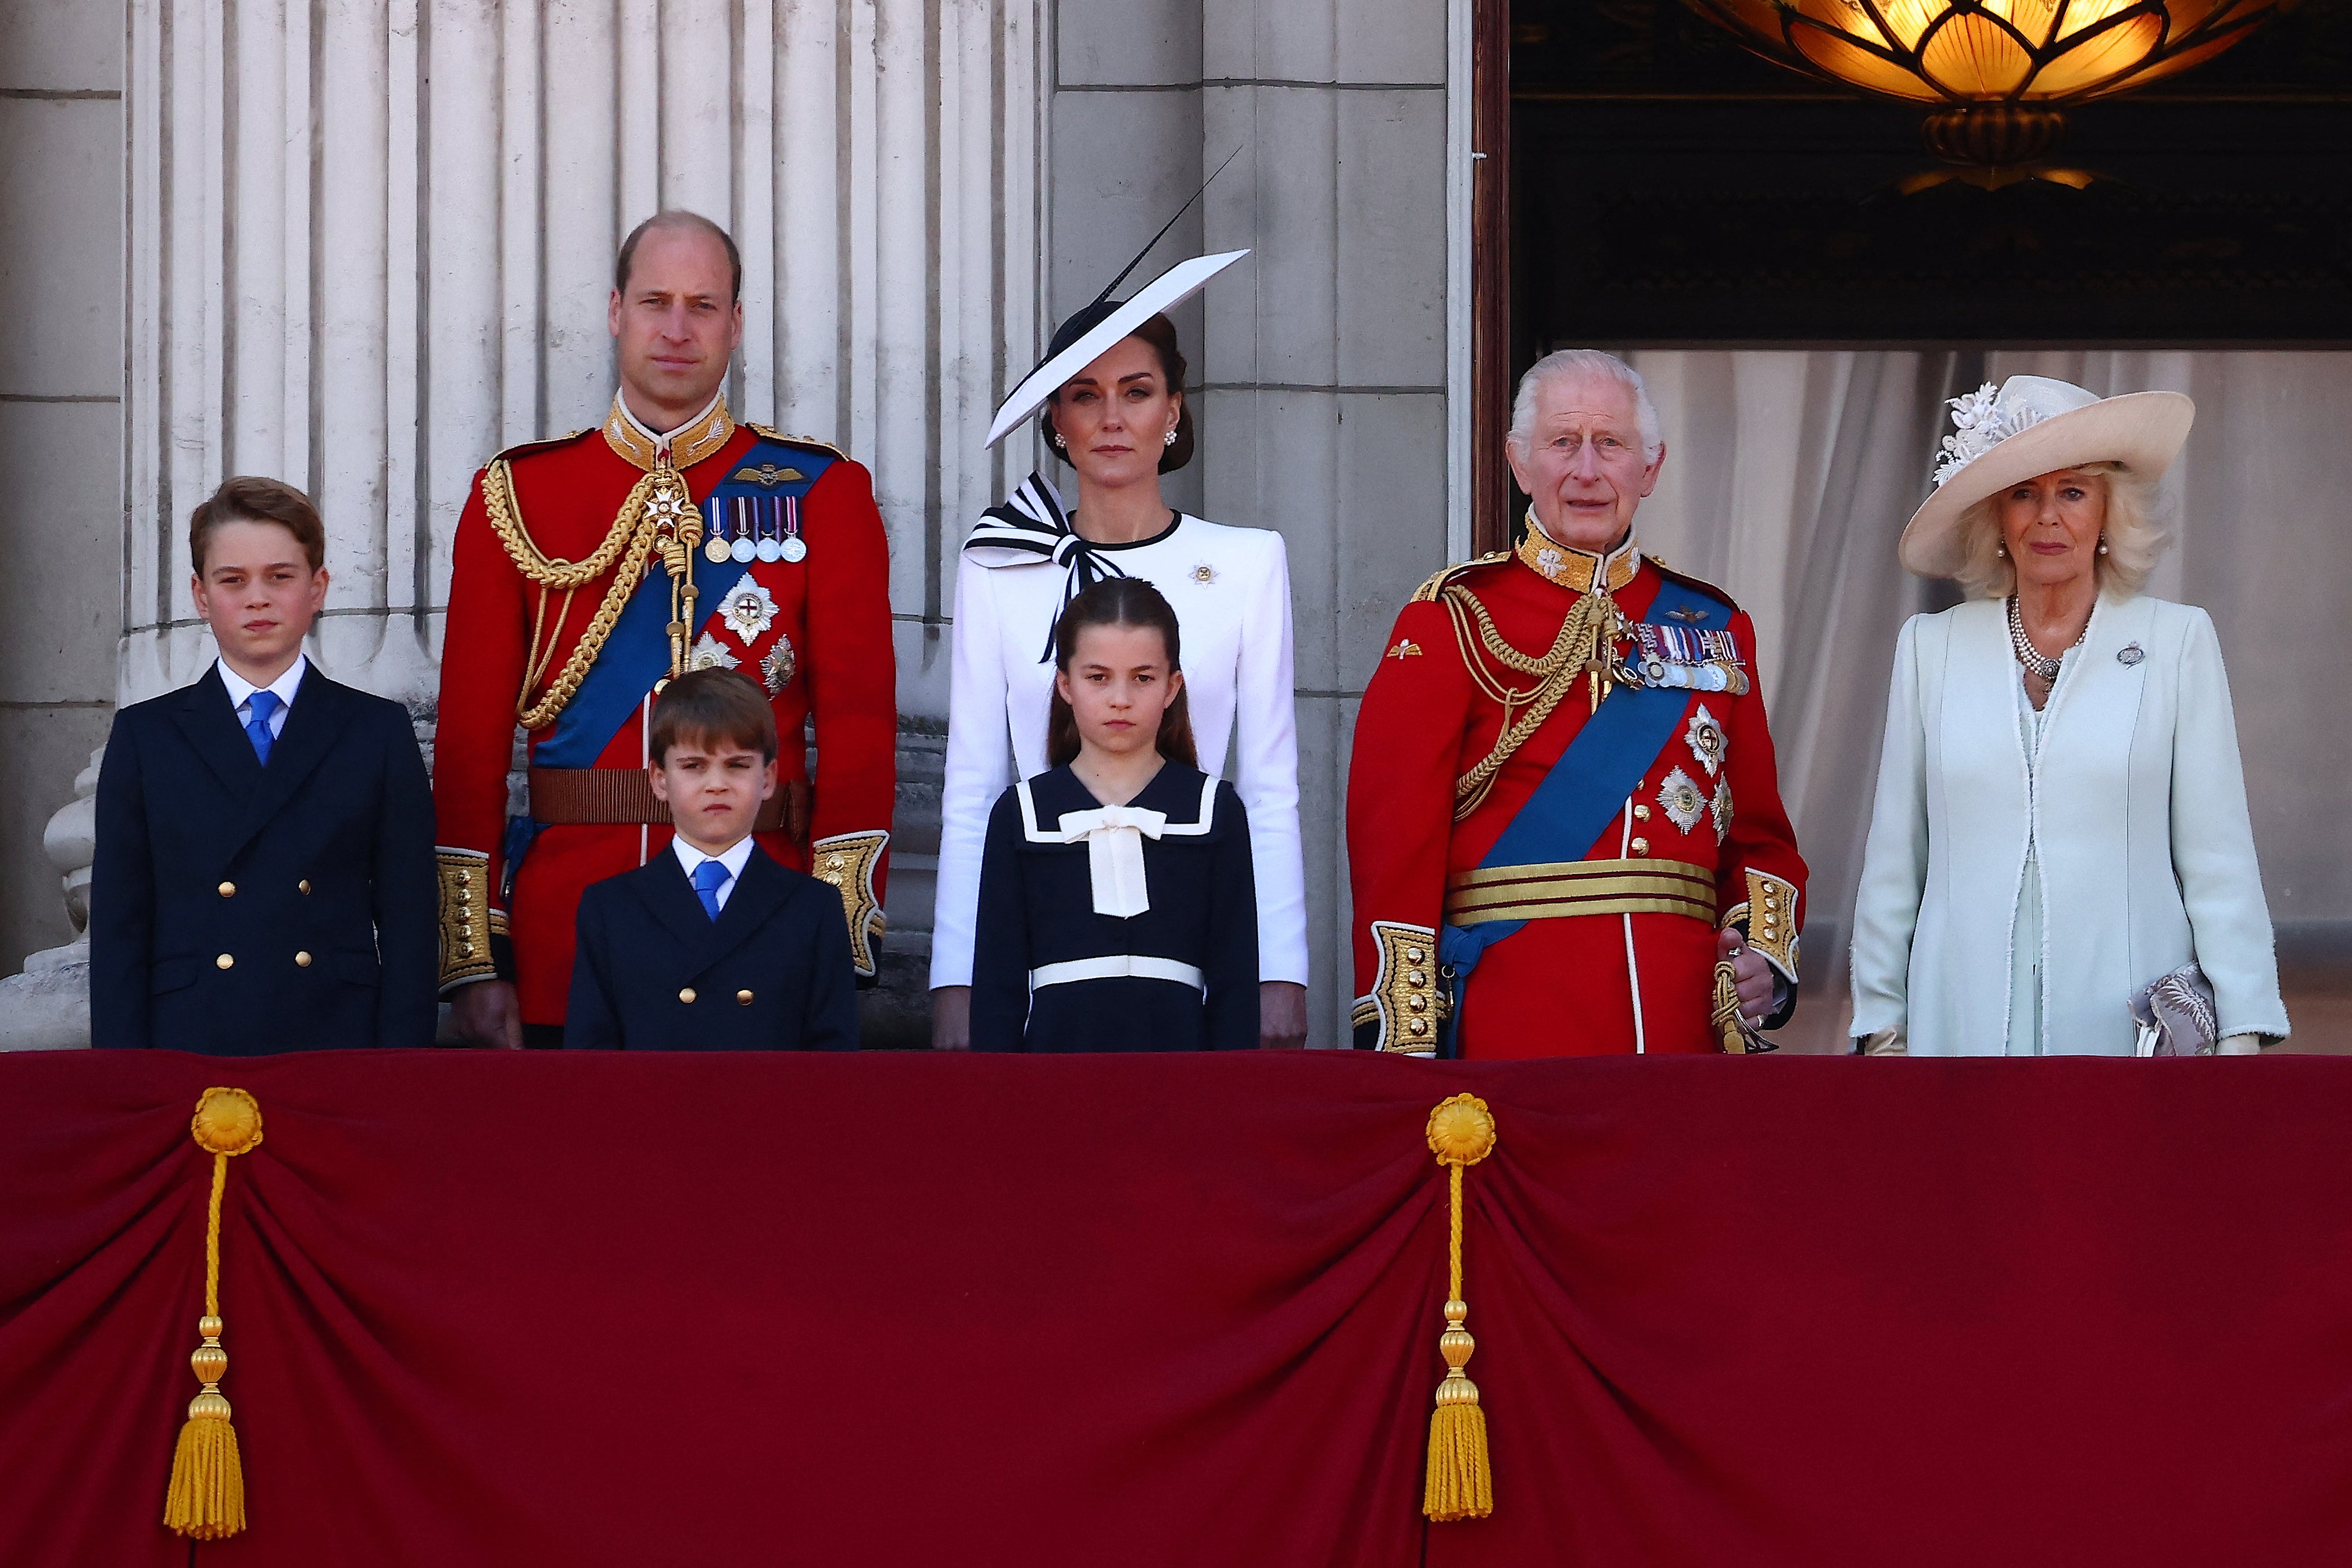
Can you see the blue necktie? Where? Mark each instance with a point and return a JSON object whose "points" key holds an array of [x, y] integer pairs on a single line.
{"points": [[256, 729], [709, 878]]}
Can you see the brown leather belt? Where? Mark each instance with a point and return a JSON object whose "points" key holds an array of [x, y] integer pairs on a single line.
{"points": [[569, 795]]}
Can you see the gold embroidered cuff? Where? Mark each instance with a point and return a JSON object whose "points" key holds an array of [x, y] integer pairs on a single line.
{"points": [[1407, 1000], [467, 921], [846, 861], [1770, 913]]}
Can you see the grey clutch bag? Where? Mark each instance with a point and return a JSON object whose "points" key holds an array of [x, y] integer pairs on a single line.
{"points": [[2175, 1014]]}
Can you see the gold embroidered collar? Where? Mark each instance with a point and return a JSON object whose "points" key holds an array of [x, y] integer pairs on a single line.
{"points": [[1578, 570], [686, 445]]}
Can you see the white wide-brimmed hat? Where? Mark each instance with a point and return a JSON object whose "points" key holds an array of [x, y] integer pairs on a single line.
{"points": [[2030, 425], [1086, 336]]}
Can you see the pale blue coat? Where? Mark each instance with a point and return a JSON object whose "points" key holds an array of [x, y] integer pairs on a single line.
{"points": [[2137, 803]]}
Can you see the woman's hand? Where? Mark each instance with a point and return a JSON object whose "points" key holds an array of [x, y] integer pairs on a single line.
{"points": [[1750, 975], [1281, 1016], [952, 1018]]}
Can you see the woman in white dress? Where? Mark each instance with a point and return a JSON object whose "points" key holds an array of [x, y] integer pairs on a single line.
{"points": [[1113, 407], [2061, 818]]}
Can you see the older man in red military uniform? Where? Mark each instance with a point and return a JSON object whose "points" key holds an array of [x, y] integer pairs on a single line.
{"points": [[591, 568], [1565, 832]]}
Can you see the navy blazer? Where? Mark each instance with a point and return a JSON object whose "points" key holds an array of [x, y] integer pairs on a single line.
{"points": [[653, 973], [236, 909]]}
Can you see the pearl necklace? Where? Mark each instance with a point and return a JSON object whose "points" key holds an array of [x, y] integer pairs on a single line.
{"points": [[2032, 658]]}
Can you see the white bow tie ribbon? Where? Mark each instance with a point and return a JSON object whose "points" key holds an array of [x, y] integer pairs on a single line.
{"points": [[1114, 836]]}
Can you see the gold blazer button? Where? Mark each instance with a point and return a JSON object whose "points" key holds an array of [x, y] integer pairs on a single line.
{"points": [[229, 889], [303, 886], [744, 997], [1641, 846], [226, 961], [1640, 814], [302, 960], [686, 994]]}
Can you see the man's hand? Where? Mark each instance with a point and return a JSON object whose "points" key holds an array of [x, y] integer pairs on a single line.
{"points": [[952, 1018], [1281, 1016], [487, 1013], [1750, 975]]}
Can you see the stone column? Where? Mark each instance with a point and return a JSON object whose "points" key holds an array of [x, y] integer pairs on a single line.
{"points": [[368, 243], [371, 242]]}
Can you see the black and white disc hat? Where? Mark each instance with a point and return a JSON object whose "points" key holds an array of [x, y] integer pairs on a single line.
{"points": [[1088, 334]]}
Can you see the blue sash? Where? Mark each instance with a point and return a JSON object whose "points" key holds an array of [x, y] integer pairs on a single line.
{"points": [[1584, 792], [637, 654]]}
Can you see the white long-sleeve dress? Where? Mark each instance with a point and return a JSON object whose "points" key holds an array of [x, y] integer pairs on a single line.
{"points": [[2026, 874], [1231, 591]]}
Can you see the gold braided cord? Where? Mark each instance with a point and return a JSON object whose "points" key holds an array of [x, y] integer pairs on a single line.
{"points": [[212, 1237], [506, 521], [1572, 652], [1454, 1240], [630, 541], [591, 640]]}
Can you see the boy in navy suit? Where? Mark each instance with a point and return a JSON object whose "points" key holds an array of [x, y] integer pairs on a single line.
{"points": [[711, 945], [265, 877]]}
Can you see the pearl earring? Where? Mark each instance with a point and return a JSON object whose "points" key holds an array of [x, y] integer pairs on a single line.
{"points": [[1168, 439], [2103, 544], [1058, 441], [2001, 551]]}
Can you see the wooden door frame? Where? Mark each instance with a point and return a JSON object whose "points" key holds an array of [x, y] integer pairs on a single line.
{"points": [[1490, 273]]}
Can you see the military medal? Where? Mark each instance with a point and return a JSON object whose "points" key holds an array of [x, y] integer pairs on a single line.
{"points": [[794, 548], [769, 547], [714, 548]]}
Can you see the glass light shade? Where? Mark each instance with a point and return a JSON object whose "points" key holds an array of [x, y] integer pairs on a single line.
{"points": [[1968, 52]]}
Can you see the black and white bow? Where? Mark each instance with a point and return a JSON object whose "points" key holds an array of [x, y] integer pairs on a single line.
{"points": [[1030, 529]]}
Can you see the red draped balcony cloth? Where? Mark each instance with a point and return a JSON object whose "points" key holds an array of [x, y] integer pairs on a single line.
{"points": [[523, 1310]]}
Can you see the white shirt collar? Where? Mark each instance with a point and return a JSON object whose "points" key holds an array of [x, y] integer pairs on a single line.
{"points": [[732, 858], [241, 691], [661, 437]]}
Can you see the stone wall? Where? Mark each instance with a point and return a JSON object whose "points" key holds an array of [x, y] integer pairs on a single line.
{"points": [[60, 432]]}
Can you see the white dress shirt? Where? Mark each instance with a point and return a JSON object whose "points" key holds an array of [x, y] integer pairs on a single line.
{"points": [[732, 858], [241, 691]]}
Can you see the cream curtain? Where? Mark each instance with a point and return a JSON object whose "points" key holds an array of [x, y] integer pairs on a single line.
{"points": [[1790, 475]]}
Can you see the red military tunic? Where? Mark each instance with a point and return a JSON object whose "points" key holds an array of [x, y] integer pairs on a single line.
{"points": [[815, 631], [1702, 840]]}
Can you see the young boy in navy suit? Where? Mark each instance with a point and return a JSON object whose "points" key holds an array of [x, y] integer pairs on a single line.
{"points": [[265, 877], [711, 945]]}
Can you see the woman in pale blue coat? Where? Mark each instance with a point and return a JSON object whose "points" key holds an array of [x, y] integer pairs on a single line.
{"points": [[2061, 817]]}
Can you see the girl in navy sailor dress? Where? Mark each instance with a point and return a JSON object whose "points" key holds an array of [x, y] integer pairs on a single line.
{"points": [[1117, 908]]}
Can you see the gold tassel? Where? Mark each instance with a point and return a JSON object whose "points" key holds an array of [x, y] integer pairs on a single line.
{"points": [[1461, 1482], [206, 1498]]}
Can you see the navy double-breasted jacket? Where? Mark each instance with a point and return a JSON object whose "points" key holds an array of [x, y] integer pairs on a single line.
{"points": [[653, 972], [237, 909]]}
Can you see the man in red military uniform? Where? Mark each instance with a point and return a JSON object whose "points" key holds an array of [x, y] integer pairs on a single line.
{"points": [[591, 568], [1565, 832]]}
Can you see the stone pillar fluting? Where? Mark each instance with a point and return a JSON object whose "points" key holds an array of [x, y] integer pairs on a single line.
{"points": [[369, 242]]}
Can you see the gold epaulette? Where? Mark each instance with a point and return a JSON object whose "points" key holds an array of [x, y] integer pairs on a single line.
{"points": [[767, 433], [544, 443], [1438, 579]]}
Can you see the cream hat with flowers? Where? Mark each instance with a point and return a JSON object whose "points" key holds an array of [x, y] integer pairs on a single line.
{"points": [[2030, 425]]}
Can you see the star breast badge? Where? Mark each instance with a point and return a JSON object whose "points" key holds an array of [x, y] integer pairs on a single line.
{"points": [[748, 610]]}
